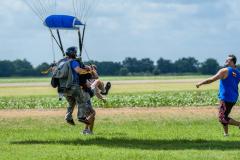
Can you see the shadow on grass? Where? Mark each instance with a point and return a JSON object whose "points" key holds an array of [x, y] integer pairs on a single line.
{"points": [[142, 144]]}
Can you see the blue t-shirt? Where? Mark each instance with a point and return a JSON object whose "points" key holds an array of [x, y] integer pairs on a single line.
{"points": [[74, 65], [228, 88]]}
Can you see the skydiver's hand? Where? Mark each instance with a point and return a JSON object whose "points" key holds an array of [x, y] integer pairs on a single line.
{"points": [[198, 85], [87, 68]]}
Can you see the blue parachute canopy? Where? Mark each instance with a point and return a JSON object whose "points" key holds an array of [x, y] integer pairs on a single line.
{"points": [[62, 22]]}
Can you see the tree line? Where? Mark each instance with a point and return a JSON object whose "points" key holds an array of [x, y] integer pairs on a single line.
{"points": [[128, 67]]}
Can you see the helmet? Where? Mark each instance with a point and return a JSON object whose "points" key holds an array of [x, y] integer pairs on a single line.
{"points": [[71, 51]]}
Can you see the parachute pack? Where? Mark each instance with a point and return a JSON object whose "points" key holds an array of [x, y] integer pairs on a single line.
{"points": [[62, 75]]}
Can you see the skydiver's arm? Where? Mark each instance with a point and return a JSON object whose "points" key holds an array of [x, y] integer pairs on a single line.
{"points": [[222, 74], [99, 96], [81, 71], [94, 74]]}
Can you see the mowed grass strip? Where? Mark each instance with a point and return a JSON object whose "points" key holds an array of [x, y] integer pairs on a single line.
{"points": [[141, 134], [117, 87], [104, 78]]}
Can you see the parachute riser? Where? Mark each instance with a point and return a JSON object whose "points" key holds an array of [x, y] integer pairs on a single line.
{"points": [[60, 42], [81, 39]]}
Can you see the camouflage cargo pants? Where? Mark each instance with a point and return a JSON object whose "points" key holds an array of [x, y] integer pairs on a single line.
{"points": [[74, 96]]}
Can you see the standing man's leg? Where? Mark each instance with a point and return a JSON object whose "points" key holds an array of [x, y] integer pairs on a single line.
{"points": [[91, 119], [224, 111], [90, 114]]}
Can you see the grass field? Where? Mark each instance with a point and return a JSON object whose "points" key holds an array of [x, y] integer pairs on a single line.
{"points": [[185, 132], [166, 134]]}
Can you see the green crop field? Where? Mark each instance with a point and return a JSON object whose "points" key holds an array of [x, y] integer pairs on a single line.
{"points": [[135, 92]]}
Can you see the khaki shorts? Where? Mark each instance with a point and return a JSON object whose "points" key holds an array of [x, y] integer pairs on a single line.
{"points": [[89, 107]]}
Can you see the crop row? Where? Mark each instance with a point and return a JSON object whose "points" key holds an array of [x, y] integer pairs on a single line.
{"points": [[155, 99]]}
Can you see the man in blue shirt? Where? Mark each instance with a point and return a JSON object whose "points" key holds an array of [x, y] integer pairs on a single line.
{"points": [[228, 91], [74, 94]]}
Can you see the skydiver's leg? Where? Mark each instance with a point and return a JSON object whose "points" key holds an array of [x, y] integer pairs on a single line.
{"points": [[81, 103], [107, 88], [70, 109]]}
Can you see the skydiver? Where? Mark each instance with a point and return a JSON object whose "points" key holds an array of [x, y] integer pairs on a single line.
{"points": [[97, 87], [74, 95]]}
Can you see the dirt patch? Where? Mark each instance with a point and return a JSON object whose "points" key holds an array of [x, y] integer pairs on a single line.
{"points": [[165, 112]]}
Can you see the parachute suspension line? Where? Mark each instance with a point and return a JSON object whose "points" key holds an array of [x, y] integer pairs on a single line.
{"points": [[35, 10], [59, 45], [79, 8], [89, 5], [84, 7], [60, 42], [43, 8], [74, 8], [53, 50], [85, 50], [38, 9], [87, 10], [51, 6]]}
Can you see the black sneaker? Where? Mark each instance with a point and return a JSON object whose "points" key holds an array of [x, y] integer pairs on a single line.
{"points": [[71, 122], [107, 88], [84, 120]]}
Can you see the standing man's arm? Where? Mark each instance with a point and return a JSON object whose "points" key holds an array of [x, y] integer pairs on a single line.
{"points": [[222, 74]]}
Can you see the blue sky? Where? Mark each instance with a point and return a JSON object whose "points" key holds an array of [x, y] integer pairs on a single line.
{"points": [[130, 28]]}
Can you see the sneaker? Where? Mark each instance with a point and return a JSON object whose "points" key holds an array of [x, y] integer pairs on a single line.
{"points": [[85, 131], [71, 122], [89, 132], [226, 135], [107, 88], [83, 120]]}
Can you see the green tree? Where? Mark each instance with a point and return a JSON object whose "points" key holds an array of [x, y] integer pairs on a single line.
{"points": [[164, 66], [123, 71], [186, 65], [210, 66], [147, 65], [23, 68], [6, 68], [107, 68], [132, 65]]}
